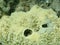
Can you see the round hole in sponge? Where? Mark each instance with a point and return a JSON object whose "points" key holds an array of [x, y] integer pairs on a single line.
{"points": [[44, 25], [27, 32]]}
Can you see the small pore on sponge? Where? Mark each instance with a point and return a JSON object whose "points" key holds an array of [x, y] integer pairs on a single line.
{"points": [[27, 32]]}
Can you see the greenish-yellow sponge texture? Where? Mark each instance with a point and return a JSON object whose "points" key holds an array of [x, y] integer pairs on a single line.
{"points": [[36, 27]]}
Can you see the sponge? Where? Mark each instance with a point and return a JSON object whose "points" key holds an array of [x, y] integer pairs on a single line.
{"points": [[36, 27]]}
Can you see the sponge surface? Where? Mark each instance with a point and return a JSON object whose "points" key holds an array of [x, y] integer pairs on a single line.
{"points": [[37, 27]]}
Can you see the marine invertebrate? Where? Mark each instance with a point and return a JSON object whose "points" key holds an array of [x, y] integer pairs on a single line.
{"points": [[36, 27]]}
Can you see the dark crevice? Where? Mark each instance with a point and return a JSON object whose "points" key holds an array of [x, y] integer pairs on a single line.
{"points": [[27, 32], [44, 25], [12, 4], [0, 43], [58, 14], [6, 1], [48, 4], [54, 10], [0, 17], [1, 13]]}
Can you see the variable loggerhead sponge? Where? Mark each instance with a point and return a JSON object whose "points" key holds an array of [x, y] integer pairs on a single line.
{"points": [[37, 27]]}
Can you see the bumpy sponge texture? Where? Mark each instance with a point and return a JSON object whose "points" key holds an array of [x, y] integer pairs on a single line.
{"points": [[36, 27]]}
